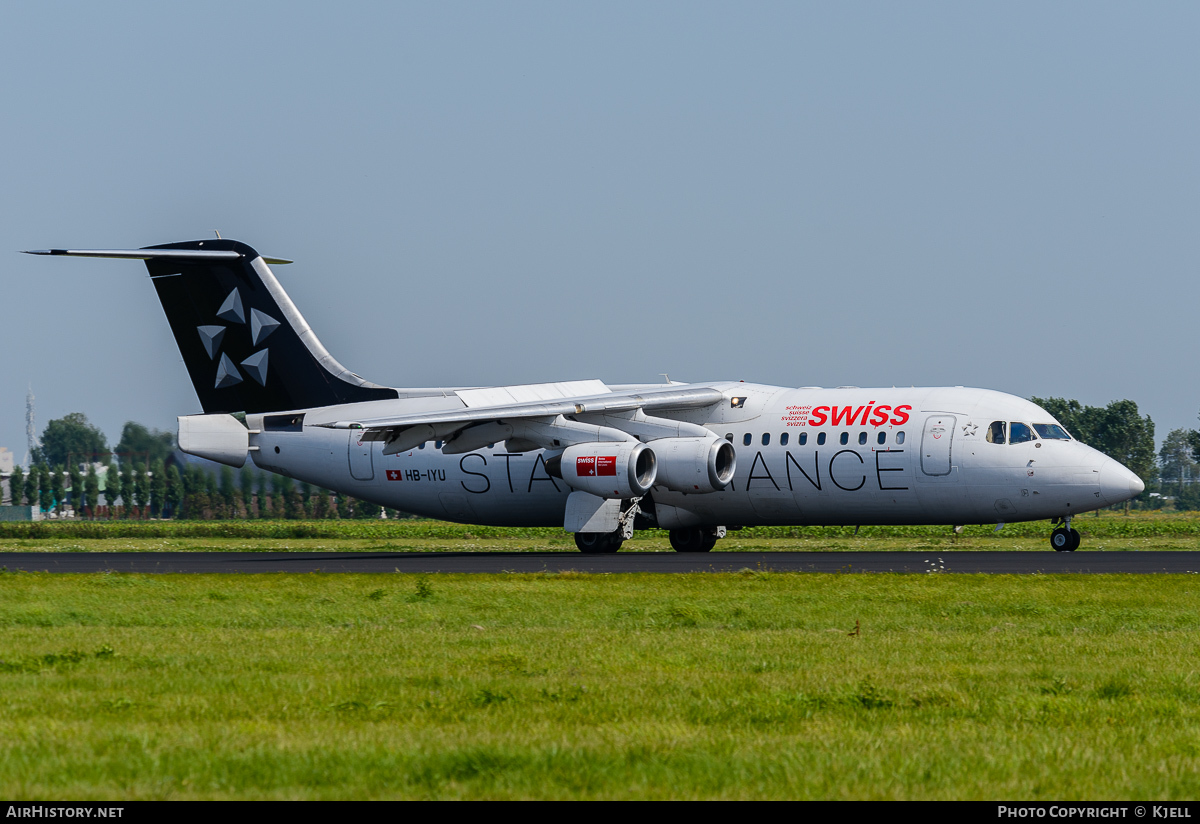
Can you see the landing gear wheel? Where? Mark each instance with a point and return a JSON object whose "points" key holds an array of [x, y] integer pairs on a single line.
{"points": [[692, 539], [1064, 540], [597, 543]]}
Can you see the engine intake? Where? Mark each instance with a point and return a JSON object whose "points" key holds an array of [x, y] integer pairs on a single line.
{"points": [[610, 470], [694, 465]]}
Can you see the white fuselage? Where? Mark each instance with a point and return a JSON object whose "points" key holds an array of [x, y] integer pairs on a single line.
{"points": [[804, 456]]}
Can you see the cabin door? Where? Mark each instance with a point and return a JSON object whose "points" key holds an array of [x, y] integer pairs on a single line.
{"points": [[935, 444], [361, 468]]}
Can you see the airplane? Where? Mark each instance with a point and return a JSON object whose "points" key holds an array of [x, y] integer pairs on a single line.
{"points": [[696, 459]]}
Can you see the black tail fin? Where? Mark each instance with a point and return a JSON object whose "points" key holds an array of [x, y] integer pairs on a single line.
{"points": [[246, 346]]}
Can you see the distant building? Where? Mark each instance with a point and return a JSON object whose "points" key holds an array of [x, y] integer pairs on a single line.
{"points": [[6, 461]]}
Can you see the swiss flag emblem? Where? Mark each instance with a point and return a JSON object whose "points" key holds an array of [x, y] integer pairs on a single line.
{"points": [[591, 466], [395, 475]]}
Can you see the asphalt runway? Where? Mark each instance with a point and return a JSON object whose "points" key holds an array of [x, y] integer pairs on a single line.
{"points": [[1003, 563]]}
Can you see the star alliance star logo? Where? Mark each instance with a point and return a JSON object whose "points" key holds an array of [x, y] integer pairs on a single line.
{"points": [[970, 429], [261, 326]]}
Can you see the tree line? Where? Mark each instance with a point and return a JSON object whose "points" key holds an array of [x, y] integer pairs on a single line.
{"points": [[74, 469]]}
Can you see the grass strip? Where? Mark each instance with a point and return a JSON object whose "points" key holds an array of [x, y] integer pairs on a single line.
{"points": [[1108, 525], [748, 685]]}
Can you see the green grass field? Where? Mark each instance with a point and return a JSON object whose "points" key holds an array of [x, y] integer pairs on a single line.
{"points": [[1110, 532], [599, 686]]}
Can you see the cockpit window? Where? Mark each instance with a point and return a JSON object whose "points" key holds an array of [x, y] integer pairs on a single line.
{"points": [[1020, 432], [1051, 432], [996, 433]]}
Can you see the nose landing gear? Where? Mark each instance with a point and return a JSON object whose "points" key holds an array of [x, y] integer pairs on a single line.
{"points": [[1065, 539]]}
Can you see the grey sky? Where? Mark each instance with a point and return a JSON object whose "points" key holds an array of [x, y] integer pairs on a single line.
{"points": [[999, 195]]}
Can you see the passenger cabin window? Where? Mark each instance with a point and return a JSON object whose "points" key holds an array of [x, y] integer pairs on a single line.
{"points": [[729, 437], [862, 438], [766, 439], [845, 439], [747, 439], [1020, 433], [996, 433], [900, 437], [1051, 432], [820, 438], [783, 439], [802, 438], [437, 445], [881, 439]]}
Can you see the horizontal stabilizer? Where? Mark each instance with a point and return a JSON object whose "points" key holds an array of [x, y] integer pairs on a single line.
{"points": [[152, 254], [246, 346]]}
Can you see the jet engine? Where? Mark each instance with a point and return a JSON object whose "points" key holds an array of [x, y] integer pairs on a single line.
{"points": [[694, 465], [624, 469]]}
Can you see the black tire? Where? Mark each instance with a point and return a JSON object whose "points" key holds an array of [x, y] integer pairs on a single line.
{"points": [[691, 539], [1060, 540], [710, 541], [597, 543], [1075, 539]]}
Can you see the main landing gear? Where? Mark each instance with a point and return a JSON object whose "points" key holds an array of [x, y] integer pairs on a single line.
{"points": [[696, 538], [1065, 539], [606, 543], [599, 543]]}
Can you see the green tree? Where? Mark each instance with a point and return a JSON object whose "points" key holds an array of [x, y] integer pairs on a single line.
{"points": [[174, 494], [246, 481], [71, 440], [128, 504], [229, 491], [58, 489], [91, 491], [158, 488], [33, 485], [193, 486], [145, 446], [265, 509], [16, 486], [76, 478], [213, 506], [45, 495], [112, 488], [320, 504], [1176, 465], [366, 509], [141, 490]]}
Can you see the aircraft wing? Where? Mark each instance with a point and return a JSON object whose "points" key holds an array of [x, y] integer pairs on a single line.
{"points": [[404, 432]]}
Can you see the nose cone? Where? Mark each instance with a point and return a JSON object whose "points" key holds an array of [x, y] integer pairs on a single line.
{"points": [[1118, 484]]}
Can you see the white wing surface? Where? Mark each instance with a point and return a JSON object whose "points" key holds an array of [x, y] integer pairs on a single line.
{"points": [[544, 423]]}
